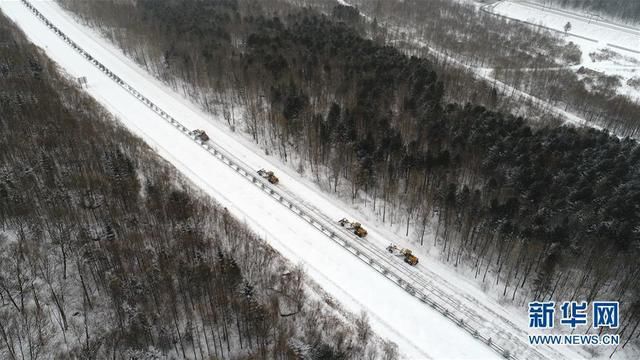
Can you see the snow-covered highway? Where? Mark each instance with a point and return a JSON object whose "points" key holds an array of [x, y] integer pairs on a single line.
{"points": [[420, 331]]}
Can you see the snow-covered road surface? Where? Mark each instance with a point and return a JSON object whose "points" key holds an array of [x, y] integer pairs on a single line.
{"points": [[419, 331]]}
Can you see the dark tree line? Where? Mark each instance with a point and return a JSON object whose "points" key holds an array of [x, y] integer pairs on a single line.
{"points": [[106, 253], [541, 212]]}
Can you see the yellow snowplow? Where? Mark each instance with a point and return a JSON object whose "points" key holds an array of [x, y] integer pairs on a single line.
{"points": [[409, 258], [269, 176], [355, 226], [200, 135]]}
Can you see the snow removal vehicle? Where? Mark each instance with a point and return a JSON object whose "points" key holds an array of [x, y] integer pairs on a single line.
{"points": [[200, 135], [355, 226], [269, 176], [409, 258]]}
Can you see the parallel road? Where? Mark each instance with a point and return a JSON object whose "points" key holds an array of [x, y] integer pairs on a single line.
{"points": [[634, 47]]}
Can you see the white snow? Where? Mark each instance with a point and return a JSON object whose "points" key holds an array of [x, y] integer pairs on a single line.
{"points": [[591, 35], [420, 331]]}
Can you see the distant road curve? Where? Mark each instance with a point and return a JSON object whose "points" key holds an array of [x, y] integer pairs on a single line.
{"points": [[576, 15], [490, 9]]}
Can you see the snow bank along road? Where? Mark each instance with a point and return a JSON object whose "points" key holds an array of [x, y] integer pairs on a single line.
{"points": [[419, 330]]}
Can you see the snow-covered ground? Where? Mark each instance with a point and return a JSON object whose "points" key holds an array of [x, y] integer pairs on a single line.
{"points": [[419, 331], [617, 48]]}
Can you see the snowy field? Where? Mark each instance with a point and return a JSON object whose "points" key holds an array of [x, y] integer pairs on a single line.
{"points": [[615, 49], [420, 332]]}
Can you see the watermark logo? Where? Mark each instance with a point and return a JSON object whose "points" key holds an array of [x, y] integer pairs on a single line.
{"points": [[605, 314], [573, 314], [541, 314]]}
